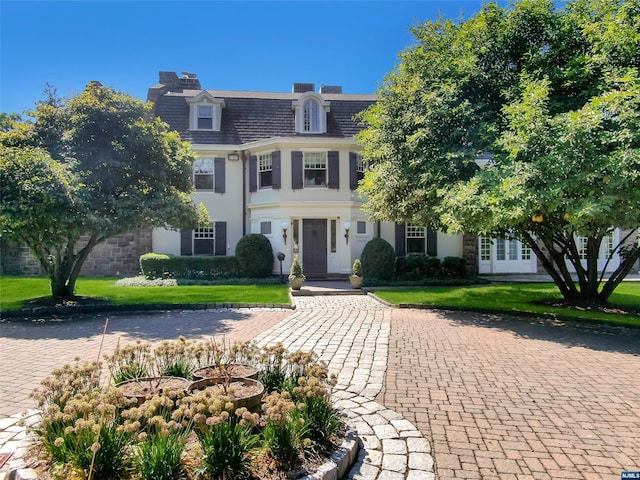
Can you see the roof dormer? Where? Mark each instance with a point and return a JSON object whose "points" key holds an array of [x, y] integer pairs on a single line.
{"points": [[205, 112], [311, 113]]}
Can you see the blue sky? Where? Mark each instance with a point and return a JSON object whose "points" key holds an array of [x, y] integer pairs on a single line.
{"points": [[235, 45]]}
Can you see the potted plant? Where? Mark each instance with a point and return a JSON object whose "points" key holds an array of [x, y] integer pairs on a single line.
{"points": [[296, 277], [356, 277]]}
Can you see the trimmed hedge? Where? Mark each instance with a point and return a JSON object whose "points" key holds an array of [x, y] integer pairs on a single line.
{"points": [[417, 267], [157, 265]]}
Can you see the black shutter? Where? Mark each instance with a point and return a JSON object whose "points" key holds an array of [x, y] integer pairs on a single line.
{"points": [[186, 242], [218, 175], [401, 236], [220, 234], [296, 170], [334, 169], [432, 243], [253, 173], [353, 170], [276, 182]]}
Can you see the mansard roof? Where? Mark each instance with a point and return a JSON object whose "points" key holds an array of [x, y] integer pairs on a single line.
{"points": [[252, 116]]}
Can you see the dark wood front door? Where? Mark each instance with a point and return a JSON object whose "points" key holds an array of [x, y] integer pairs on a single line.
{"points": [[314, 247]]}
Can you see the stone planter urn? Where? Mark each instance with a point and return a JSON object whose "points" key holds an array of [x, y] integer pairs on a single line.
{"points": [[296, 276]]}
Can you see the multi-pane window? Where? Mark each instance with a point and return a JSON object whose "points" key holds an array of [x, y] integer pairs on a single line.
{"points": [[485, 248], [315, 169], [526, 252], [416, 239], [265, 170], [203, 240], [361, 167], [265, 228], [582, 247], [513, 249], [203, 174], [310, 116], [608, 245], [205, 117], [500, 249]]}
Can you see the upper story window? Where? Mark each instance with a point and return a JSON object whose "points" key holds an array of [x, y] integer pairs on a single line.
{"points": [[205, 112], [311, 116], [361, 167], [315, 169], [205, 117], [203, 173], [265, 170], [311, 113]]}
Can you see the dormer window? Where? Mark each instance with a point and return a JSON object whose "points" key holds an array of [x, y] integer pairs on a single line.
{"points": [[205, 117], [205, 112], [311, 113]]}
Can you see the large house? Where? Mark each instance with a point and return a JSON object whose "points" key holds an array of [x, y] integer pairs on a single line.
{"points": [[282, 164], [287, 165]]}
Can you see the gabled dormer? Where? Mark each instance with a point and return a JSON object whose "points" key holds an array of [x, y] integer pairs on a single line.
{"points": [[311, 113], [205, 112]]}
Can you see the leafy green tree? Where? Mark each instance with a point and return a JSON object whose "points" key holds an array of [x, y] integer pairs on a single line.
{"points": [[554, 95], [86, 169], [7, 120]]}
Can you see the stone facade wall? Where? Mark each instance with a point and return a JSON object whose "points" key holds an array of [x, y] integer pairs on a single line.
{"points": [[470, 252], [16, 259], [116, 257]]}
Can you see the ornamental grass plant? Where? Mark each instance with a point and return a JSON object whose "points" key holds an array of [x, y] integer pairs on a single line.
{"points": [[89, 429]]}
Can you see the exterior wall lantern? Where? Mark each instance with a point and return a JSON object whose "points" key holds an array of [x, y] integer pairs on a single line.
{"points": [[285, 225], [347, 227]]}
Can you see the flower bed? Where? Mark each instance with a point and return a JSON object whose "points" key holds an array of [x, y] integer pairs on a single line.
{"points": [[93, 430]]}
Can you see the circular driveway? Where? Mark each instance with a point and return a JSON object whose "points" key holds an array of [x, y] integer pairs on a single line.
{"points": [[496, 397], [513, 398]]}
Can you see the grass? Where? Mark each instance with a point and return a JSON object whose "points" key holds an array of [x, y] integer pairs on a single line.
{"points": [[530, 298], [16, 290]]}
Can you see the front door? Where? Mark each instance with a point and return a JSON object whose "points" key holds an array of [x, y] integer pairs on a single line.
{"points": [[314, 247]]}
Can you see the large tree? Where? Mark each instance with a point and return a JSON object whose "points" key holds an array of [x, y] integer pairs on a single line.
{"points": [[86, 169], [554, 96]]}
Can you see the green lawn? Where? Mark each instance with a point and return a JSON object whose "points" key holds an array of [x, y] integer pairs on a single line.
{"points": [[15, 290], [517, 297]]}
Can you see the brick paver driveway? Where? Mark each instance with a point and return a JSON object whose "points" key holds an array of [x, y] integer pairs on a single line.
{"points": [[504, 398], [31, 349]]}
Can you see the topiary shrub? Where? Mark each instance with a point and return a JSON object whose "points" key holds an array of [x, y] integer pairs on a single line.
{"points": [[454, 267], [255, 256], [378, 259]]}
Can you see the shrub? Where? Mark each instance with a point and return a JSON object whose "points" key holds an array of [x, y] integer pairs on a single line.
{"points": [[378, 259], [255, 256], [154, 265], [418, 266], [433, 267], [454, 267], [296, 268], [159, 456], [356, 270], [284, 429]]}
